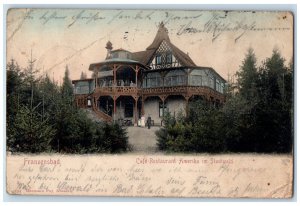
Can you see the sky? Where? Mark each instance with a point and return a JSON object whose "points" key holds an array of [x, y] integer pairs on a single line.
{"points": [[77, 37]]}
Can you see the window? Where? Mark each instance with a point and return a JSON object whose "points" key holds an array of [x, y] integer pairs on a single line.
{"points": [[115, 55], [167, 81], [211, 82], [82, 89], [175, 80], [158, 59], [153, 82], [196, 80], [218, 86], [181, 80], [222, 88], [169, 58], [162, 109]]}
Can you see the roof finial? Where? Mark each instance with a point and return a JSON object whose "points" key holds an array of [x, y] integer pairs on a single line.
{"points": [[162, 27], [109, 48], [109, 45], [161, 24]]}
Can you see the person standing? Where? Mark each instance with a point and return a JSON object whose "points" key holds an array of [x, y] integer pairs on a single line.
{"points": [[149, 122]]}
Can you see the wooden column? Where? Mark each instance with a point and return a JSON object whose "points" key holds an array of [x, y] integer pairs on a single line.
{"points": [[163, 102], [96, 78], [135, 111], [136, 74], [94, 104], [115, 74], [143, 110], [188, 74], [163, 75], [115, 108], [163, 98], [96, 101]]}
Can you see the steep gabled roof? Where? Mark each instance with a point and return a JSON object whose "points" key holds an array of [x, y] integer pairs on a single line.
{"points": [[162, 35], [143, 56], [181, 56]]}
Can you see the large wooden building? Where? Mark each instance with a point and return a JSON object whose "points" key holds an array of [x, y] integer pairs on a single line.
{"points": [[129, 85]]}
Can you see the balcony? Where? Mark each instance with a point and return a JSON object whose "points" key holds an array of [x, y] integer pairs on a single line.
{"points": [[118, 90], [183, 90], [173, 90]]}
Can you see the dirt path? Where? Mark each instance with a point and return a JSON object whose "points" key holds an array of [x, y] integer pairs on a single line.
{"points": [[142, 139]]}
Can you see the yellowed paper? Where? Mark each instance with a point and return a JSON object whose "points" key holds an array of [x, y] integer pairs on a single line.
{"points": [[256, 176]]}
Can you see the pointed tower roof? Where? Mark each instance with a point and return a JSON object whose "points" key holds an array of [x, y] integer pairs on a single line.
{"points": [[161, 35]]}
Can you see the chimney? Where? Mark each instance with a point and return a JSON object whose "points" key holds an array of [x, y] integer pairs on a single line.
{"points": [[109, 48]]}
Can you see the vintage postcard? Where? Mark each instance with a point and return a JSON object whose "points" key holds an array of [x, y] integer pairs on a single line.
{"points": [[150, 103]]}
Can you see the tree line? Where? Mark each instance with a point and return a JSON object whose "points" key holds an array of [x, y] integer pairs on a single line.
{"points": [[256, 117], [42, 117]]}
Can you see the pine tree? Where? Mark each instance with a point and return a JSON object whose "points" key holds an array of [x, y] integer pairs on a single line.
{"points": [[30, 130], [14, 87], [14, 83], [83, 75], [247, 77], [65, 116], [31, 133], [274, 121], [44, 118], [67, 87]]}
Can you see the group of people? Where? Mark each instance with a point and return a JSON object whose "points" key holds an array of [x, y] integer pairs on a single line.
{"points": [[122, 83]]}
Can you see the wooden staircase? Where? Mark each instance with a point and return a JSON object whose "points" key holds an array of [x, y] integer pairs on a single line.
{"points": [[101, 115]]}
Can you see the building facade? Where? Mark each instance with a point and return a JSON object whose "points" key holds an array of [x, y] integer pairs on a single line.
{"points": [[131, 85]]}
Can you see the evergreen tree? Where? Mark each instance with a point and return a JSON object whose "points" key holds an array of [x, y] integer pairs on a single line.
{"points": [[274, 119], [83, 75], [64, 117], [31, 83], [42, 117], [115, 138], [14, 83], [67, 87], [49, 93], [247, 77], [31, 133]]}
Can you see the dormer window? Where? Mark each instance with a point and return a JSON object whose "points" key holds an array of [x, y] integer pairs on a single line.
{"points": [[158, 59]]}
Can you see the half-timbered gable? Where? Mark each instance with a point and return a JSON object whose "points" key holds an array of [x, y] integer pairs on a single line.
{"points": [[164, 57]]}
